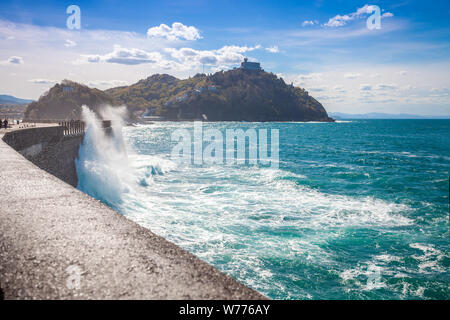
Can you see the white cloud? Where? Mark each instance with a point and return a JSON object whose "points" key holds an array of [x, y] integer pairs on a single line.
{"points": [[339, 89], [318, 89], [239, 49], [361, 11], [273, 49], [383, 86], [402, 73], [69, 43], [101, 84], [443, 93], [14, 60], [329, 98], [178, 31], [125, 56], [380, 93], [342, 20], [309, 23], [171, 58], [104, 84], [352, 75], [310, 76], [338, 21], [224, 56], [42, 81]]}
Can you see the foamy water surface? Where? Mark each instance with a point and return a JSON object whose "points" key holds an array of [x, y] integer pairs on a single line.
{"points": [[356, 210]]}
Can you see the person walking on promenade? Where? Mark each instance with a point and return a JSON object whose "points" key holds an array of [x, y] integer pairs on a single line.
{"points": [[5, 123]]}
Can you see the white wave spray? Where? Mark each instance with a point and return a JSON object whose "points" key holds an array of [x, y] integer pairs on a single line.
{"points": [[102, 164]]}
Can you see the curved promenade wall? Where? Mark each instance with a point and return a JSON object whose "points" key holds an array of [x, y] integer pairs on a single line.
{"points": [[58, 243], [49, 149]]}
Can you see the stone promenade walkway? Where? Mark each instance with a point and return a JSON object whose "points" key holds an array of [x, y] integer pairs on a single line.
{"points": [[58, 243]]}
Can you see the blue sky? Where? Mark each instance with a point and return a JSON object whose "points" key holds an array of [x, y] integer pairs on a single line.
{"points": [[324, 46]]}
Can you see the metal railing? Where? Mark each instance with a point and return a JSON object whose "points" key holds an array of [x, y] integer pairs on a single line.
{"points": [[41, 121], [73, 127]]}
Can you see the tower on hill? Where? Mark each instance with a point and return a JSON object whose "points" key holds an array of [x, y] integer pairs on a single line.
{"points": [[246, 65]]}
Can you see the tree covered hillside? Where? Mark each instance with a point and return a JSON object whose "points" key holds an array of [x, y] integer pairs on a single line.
{"points": [[235, 95], [64, 101]]}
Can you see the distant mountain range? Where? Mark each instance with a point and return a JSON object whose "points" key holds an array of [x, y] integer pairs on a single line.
{"points": [[10, 100], [374, 115]]}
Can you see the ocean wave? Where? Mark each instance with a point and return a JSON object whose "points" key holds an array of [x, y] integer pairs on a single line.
{"points": [[269, 228]]}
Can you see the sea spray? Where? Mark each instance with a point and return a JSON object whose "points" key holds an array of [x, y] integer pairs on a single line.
{"points": [[102, 164]]}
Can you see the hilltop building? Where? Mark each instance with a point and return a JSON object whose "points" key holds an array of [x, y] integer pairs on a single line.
{"points": [[246, 65]]}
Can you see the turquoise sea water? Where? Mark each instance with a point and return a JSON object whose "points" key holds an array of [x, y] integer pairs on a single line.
{"points": [[356, 210]]}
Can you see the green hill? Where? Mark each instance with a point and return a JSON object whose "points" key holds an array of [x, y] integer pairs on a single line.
{"points": [[235, 95], [64, 101], [151, 92]]}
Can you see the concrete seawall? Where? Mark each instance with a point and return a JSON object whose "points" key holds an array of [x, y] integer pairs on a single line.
{"points": [[49, 149], [58, 243]]}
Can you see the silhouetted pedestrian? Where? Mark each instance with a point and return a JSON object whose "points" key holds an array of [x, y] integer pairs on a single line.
{"points": [[5, 123]]}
